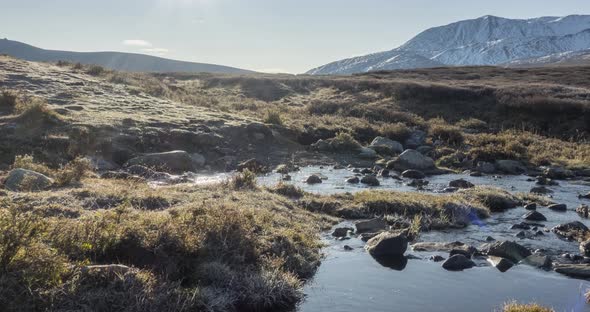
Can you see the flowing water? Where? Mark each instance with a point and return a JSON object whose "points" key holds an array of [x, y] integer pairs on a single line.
{"points": [[353, 280]]}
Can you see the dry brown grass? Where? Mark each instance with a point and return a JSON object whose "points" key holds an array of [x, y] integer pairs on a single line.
{"points": [[532, 307]]}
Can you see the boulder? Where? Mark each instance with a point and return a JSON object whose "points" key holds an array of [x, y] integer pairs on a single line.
{"points": [[373, 225], [424, 149], [367, 152], [510, 166], [387, 245], [370, 180], [386, 146], [585, 248], [437, 258], [537, 260], [540, 190], [412, 159], [384, 173], [342, 231], [313, 179], [574, 230], [413, 174], [507, 249], [531, 206], [534, 216], [437, 246], [587, 196], [574, 270], [557, 207], [502, 264], [353, 180], [174, 161], [558, 173], [461, 183], [583, 211], [23, 180], [485, 167], [458, 263]]}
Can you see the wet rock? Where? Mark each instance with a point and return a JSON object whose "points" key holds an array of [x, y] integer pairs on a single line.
{"points": [[367, 153], [341, 232], [490, 239], [585, 248], [587, 196], [510, 166], [373, 225], [574, 270], [539, 233], [572, 230], [419, 183], [367, 171], [383, 173], [502, 264], [367, 236], [252, 165], [353, 180], [520, 234], [542, 180], [173, 161], [531, 206], [466, 252], [370, 180], [540, 190], [583, 210], [286, 177], [411, 159], [450, 189], [507, 249], [557, 207], [558, 173], [520, 226], [475, 174], [458, 263], [437, 258], [534, 216], [485, 167], [386, 146], [387, 245], [23, 180], [461, 183], [413, 174], [347, 248], [313, 179], [440, 246], [537, 260], [286, 168]]}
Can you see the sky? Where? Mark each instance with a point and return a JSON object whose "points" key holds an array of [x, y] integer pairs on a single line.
{"points": [[289, 36]]}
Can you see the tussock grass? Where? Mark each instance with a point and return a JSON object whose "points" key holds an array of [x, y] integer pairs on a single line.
{"points": [[68, 174], [216, 249], [532, 307]]}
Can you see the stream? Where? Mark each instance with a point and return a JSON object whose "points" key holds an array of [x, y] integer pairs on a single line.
{"points": [[353, 280]]}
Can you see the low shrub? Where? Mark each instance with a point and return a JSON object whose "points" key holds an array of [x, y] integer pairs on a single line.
{"points": [[243, 180], [273, 116], [343, 141], [395, 131], [8, 101], [448, 134], [95, 70]]}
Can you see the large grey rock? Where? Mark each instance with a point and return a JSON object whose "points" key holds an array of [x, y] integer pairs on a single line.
{"points": [[574, 270], [173, 161], [585, 248], [534, 216], [558, 207], [313, 179], [458, 262], [510, 166], [373, 225], [386, 146], [387, 245], [507, 249], [370, 180], [537, 260], [413, 174], [558, 173], [502, 264], [574, 229], [485, 167], [461, 183], [23, 180], [412, 159]]}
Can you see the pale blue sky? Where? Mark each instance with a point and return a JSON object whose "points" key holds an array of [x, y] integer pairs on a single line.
{"points": [[267, 35]]}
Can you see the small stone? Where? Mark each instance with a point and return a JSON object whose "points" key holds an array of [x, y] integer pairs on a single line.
{"points": [[557, 207], [521, 234], [531, 206], [370, 180], [490, 239], [313, 179], [353, 180], [341, 232], [502, 264], [458, 263], [437, 258], [347, 248], [534, 216], [413, 174], [461, 183]]}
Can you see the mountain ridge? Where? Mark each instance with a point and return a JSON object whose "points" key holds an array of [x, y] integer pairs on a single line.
{"points": [[123, 61], [487, 40]]}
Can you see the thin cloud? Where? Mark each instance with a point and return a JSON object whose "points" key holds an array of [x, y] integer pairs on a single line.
{"points": [[157, 51], [137, 43]]}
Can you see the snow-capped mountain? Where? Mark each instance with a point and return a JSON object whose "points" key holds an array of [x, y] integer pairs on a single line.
{"points": [[565, 58], [488, 40]]}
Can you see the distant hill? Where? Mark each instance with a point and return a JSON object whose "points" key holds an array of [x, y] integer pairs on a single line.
{"points": [[131, 62], [577, 58]]}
